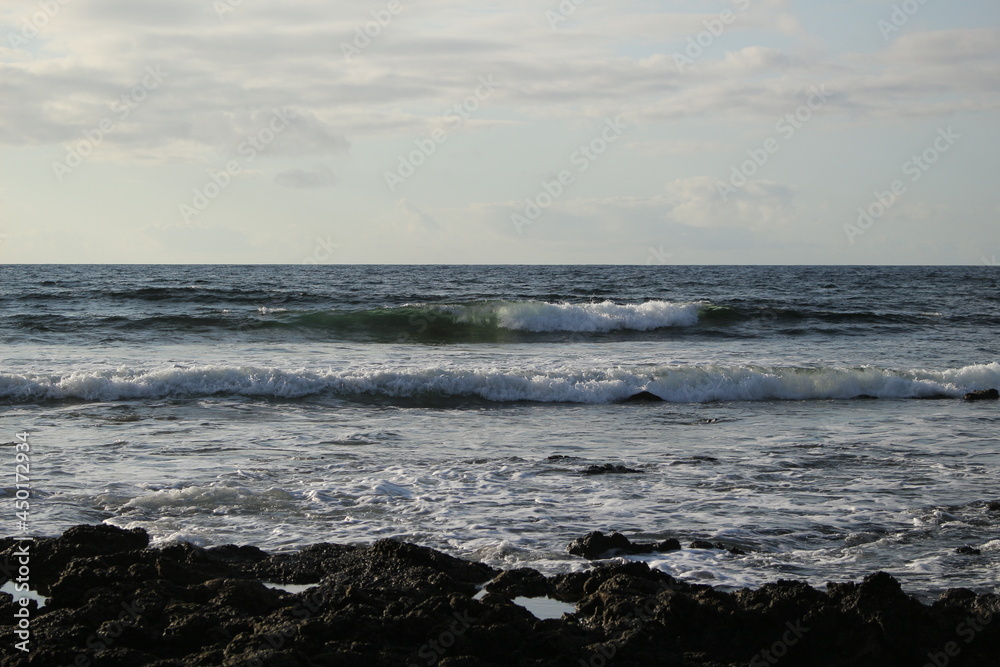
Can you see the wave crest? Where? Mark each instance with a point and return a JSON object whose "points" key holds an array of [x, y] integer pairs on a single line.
{"points": [[539, 316], [675, 383]]}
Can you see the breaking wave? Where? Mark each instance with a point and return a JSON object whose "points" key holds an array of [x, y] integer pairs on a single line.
{"points": [[675, 383], [489, 320]]}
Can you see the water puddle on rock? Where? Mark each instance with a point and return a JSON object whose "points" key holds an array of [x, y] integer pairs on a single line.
{"points": [[543, 608], [289, 588]]}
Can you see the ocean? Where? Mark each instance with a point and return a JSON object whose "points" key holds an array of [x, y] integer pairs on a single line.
{"points": [[460, 407]]}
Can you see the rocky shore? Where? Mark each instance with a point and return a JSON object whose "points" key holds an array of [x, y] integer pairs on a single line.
{"points": [[112, 600]]}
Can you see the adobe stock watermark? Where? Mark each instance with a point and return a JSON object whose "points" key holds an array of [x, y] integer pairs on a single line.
{"points": [[432, 651], [421, 321], [786, 127], [714, 27], [223, 7], [915, 168], [22, 513], [364, 35], [311, 603], [658, 256], [901, 15], [123, 107], [582, 159], [32, 25], [110, 631], [779, 649], [223, 178], [454, 117], [968, 630], [324, 251], [642, 613], [562, 13]]}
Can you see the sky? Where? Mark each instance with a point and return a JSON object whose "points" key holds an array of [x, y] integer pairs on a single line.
{"points": [[515, 132]]}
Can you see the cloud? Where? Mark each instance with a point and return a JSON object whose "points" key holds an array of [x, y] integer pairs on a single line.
{"points": [[226, 74], [758, 205], [757, 210], [321, 177]]}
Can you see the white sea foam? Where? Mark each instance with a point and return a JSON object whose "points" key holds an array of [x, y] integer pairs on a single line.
{"points": [[216, 498], [581, 317], [675, 383]]}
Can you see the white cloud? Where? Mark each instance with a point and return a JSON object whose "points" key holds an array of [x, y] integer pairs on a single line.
{"points": [[759, 205]]}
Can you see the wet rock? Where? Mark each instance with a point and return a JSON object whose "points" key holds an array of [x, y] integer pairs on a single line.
{"points": [[308, 566], [669, 544], [610, 469], [50, 555], [521, 582], [983, 395], [103, 539], [695, 460], [968, 551], [247, 597], [398, 603], [643, 397], [230, 553], [705, 544], [598, 545]]}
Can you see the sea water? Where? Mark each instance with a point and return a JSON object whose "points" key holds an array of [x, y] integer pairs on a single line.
{"points": [[460, 408]]}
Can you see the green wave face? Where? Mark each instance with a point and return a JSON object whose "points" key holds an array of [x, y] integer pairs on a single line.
{"points": [[485, 321]]}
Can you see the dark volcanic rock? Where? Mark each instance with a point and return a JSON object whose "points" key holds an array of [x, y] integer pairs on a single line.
{"points": [[522, 581], [983, 395], [704, 544], [643, 397], [103, 539], [393, 603], [598, 545], [701, 544], [609, 469], [695, 460]]}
